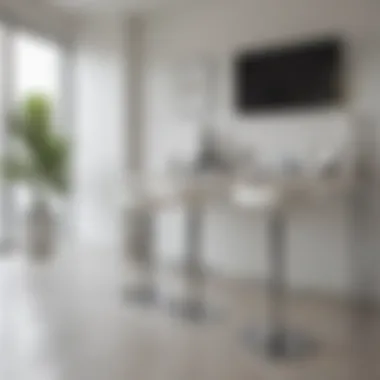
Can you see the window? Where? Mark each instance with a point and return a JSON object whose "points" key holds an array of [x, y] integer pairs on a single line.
{"points": [[28, 63], [37, 66]]}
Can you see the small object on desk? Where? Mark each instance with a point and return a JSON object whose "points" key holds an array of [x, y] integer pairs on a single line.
{"points": [[246, 195], [211, 156]]}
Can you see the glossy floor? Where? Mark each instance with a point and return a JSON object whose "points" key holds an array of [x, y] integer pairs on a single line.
{"points": [[53, 333]]}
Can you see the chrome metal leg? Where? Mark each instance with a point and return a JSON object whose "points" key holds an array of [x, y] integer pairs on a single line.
{"points": [[276, 341], [193, 307], [144, 290]]}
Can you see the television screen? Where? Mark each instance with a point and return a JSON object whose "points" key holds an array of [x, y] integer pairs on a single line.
{"points": [[301, 76]]}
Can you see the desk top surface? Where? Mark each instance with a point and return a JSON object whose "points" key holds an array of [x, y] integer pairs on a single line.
{"points": [[165, 191]]}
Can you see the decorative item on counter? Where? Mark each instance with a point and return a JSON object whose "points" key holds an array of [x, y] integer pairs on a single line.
{"points": [[326, 162], [211, 156]]}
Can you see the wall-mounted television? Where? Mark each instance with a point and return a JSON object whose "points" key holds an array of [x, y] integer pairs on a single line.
{"points": [[304, 75]]}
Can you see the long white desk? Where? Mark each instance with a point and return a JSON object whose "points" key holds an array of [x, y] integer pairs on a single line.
{"points": [[275, 197]]}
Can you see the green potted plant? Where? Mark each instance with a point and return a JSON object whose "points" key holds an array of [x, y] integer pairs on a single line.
{"points": [[38, 158]]}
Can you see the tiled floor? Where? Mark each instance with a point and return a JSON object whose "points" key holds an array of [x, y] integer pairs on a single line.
{"points": [[47, 333]]}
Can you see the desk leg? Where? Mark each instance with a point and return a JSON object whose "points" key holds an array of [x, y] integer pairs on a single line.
{"points": [[143, 289], [194, 276], [193, 306], [277, 341], [277, 284]]}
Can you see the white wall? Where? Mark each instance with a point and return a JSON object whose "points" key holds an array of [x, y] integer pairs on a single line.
{"points": [[235, 244]]}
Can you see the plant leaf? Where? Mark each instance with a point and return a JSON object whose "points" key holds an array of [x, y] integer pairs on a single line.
{"points": [[44, 153]]}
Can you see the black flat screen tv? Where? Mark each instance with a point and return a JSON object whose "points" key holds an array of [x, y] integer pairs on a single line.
{"points": [[305, 75]]}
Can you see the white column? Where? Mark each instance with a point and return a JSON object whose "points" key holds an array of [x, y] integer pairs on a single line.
{"points": [[99, 137], [138, 223]]}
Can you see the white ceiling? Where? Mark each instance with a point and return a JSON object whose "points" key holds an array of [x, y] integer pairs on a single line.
{"points": [[132, 6], [112, 5], [146, 5]]}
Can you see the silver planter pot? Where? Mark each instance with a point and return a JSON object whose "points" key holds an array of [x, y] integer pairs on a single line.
{"points": [[41, 229]]}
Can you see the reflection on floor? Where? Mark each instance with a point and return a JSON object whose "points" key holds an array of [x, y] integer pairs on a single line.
{"points": [[24, 336], [47, 332]]}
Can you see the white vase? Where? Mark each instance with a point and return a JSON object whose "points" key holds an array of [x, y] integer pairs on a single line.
{"points": [[40, 229]]}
